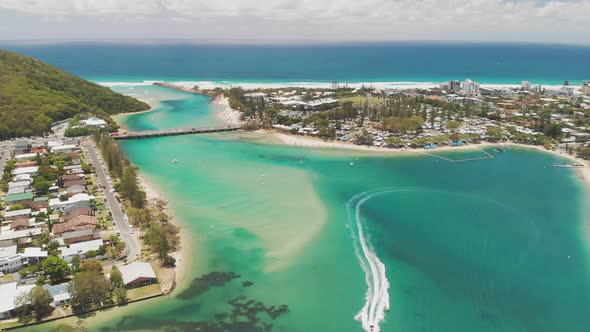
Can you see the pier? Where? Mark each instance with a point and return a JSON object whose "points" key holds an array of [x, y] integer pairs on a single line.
{"points": [[173, 132]]}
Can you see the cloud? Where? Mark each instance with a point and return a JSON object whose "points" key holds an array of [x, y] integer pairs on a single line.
{"points": [[351, 18]]}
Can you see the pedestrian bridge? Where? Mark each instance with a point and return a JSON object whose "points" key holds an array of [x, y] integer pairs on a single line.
{"points": [[172, 132]]}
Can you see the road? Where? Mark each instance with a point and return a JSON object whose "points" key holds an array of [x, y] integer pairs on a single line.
{"points": [[132, 247]]}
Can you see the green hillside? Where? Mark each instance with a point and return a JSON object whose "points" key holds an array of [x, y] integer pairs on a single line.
{"points": [[34, 94]]}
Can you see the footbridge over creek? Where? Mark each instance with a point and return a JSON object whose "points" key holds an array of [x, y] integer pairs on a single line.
{"points": [[173, 132]]}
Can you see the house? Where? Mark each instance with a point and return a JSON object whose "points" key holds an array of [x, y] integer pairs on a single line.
{"points": [[94, 122], [70, 177], [24, 198], [80, 249], [72, 190], [70, 183], [138, 274], [23, 177], [10, 261], [57, 204], [64, 148], [32, 171], [40, 203], [21, 146], [11, 215], [38, 150], [10, 292], [22, 237], [76, 224], [25, 156], [25, 164], [20, 223], [60, 294], [81, 211], [34, 255], [77, 236]]}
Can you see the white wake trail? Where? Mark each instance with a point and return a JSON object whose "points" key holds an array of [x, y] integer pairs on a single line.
{"points": [[377, 296]]}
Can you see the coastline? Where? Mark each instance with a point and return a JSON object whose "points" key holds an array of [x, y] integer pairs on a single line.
{"points": [[224, 112], [119, 117], [312, 142], [178, 273]]}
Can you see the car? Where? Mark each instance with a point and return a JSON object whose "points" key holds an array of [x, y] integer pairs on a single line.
{"points": [[1, 274]]}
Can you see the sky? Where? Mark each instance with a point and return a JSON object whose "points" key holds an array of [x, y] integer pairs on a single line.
{"points": [[285, 21]]}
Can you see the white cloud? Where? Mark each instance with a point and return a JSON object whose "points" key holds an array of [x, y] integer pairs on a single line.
{"points": [[351, 19]]}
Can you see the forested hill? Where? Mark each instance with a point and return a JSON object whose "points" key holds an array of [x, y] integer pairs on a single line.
{"points": [[34, 94]]}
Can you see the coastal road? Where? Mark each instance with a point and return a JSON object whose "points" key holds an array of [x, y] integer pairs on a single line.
{"points": [[132, 247]]}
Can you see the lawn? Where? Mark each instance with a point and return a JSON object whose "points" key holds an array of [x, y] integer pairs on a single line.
{"points": [[145, 291], [360, 100], [7, 278]]}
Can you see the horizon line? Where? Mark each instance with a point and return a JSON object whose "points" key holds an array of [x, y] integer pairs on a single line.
{"points": [[270, 42]]}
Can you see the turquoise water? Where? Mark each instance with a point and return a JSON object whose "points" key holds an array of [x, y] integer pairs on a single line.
{"points": [[491, 245], [389, 62]]}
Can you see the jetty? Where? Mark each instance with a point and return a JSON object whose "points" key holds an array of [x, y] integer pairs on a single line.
{"points": [[173, 132]]}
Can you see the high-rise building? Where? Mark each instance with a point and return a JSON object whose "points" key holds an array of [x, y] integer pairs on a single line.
{"points": [[445, 86], [586, 87], [469, 87], [526, 85], [455, 86]]}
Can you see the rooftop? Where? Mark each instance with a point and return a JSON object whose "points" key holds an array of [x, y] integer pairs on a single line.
{"points": [[136, 270]]}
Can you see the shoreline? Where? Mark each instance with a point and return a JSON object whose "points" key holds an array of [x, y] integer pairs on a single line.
{"points": [[312, 142], [180, 268], [119, 117], [224, 112], [189, 86]]}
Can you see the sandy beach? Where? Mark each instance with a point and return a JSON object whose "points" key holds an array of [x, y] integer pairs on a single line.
{"points": [[177, 274], [307, 141], [225, 113]]}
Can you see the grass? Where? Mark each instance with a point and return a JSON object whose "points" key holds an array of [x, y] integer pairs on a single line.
{"points": [[145, 291], [9, 324], [7, 278], [360, 100]]}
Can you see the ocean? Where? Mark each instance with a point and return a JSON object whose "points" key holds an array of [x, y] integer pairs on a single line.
{"points": [[348, 240], [394, 62]]}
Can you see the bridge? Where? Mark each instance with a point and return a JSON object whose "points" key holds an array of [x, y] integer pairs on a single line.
{"points": [[172, 132]]}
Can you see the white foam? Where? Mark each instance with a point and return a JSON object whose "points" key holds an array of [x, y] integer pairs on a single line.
{"points": [[377, 295]]}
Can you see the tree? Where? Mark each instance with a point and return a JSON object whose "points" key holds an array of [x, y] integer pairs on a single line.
{"points": [[162, 238], [41, 301], [120, 294], [36, 303], [494, 134], [93, 266], [89, 290], [453, 125], [363, 138], [56, 269], [76, 263], [117, 277]]}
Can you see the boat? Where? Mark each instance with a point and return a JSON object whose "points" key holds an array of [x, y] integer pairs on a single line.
{"points": [[499, 149], [568, 166], [174, 161]]}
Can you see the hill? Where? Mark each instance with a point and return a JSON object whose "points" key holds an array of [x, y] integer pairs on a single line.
{"points": [[33, 94]]}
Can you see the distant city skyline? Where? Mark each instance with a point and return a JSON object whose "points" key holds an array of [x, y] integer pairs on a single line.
{"points": [[536, 21]]}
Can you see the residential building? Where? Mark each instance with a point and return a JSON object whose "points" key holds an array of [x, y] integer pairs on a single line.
{"points": [[78, 236], [57, 204], [61, 295], [22, 238], [94, 122], [21, 147], [34, 255], [32, 171], [10, 292], [80, 249], [469, 87], [24, 198], [64, 148], [11, 215], [76, 224], [526, 85], [138, 274], [10, 261]]}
